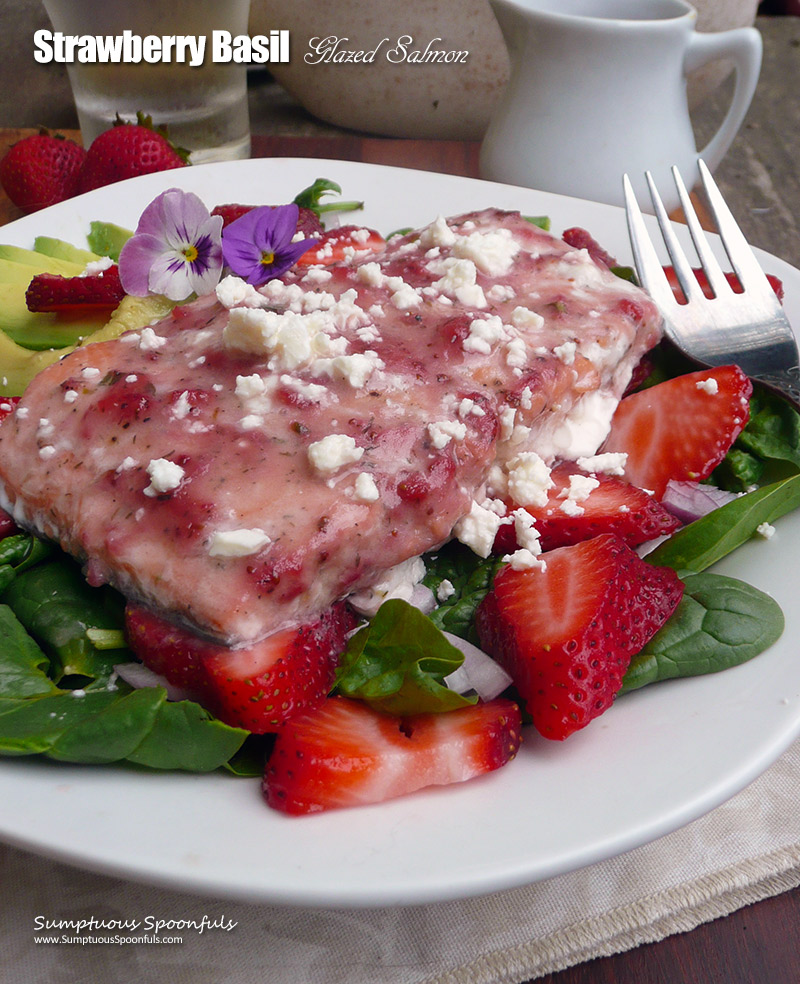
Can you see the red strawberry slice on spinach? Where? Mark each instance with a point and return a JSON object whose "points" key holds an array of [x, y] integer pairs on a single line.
{"points": [[567, 634], [257, 687], [612, 506], [680, 429], [97, 291], [345, 754], [338, 245]]}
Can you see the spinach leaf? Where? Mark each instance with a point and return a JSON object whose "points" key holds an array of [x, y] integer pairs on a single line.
{"points": [[773, 430], [398, 663], [709, 539], [183, 735], [23, 665], [58, 608], [720, 622], [469, 576]]}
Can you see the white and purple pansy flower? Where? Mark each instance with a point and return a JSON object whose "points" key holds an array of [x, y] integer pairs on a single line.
{"points": [[176, 249]]}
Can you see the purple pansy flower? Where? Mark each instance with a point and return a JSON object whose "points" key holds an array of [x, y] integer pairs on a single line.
{"points": [[176, 249], [258, 246]]}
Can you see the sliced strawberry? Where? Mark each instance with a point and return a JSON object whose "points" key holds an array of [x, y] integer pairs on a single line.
{"points": [[613, 506], [345, 754], [337, 245], [7, 525], [8, 404], [567, 634], [50, 292], [258, 687], [680, 429], [775, 282], [307, 222]]}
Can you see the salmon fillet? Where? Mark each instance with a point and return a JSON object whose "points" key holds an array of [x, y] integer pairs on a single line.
{"points": [[259, 454]]}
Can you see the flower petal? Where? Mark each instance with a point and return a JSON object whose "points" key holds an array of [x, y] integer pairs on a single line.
{"points": [[135, 260], [284, 225], [170, 275]]}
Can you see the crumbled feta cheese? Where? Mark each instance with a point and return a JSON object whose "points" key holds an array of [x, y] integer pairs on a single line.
{"points": [[522, 317], [580, 488], [468, 406], [165, 475], [484, 334], [438, 233], [398, 582], [607, 463], [125, 464], [478, 529], [571, 508], [237, 543], [529, 479], [353, 369], [516, 353], [443, 431], [491, 252], [766, 530], [149, 341], [233, 292], [365, 488], [90, 372], [708, 385], [248, 387], [70, 396], [333, 452], [93, 267], [406, 297], [524, 560], [181, 407], [47, 452], [445, 590], [251, 421], [313, 392], [565, 352]]}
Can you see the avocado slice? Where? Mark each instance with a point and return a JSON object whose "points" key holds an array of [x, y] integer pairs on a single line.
{"points": [[21, 265], [39, 330], [107, 239], [18, 365], [60, 249]]}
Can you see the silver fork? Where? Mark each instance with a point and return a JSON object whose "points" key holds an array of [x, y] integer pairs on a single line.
{"points": [[749, 329]]}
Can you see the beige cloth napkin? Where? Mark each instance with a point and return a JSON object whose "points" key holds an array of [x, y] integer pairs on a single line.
{"points": [[746, 850]]}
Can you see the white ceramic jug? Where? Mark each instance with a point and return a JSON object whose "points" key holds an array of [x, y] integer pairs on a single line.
{"points": [[598, 88]]}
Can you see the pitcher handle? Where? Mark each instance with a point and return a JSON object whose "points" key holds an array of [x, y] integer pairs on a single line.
{"points": [[744, 47]]}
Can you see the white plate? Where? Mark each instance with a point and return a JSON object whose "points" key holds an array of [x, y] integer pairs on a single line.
{"points": [[659, 758]]}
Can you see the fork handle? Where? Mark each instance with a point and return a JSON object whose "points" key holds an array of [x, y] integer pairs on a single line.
{"points": [[786, 383]]}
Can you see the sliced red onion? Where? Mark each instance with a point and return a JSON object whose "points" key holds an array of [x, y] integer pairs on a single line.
{"points": [[689, 501], [422, 598], [139, 676], [478, 672]]}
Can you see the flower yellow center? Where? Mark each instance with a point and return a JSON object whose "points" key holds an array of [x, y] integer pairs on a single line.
{"points": [[190, 253], [267, 258]]}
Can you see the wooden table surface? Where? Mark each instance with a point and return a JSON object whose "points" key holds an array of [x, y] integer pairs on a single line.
{"points": [[760, 177]]}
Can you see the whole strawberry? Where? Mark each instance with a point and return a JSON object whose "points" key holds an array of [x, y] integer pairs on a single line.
{"points": [[126, 151], [41, 170]]}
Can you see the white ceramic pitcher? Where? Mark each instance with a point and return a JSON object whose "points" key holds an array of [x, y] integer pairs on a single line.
{"points": [[598, 88]]}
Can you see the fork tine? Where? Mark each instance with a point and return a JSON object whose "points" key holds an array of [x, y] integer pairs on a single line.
{"points": [[713, 271], [683, 268], [743, 260], [648, 266]]}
